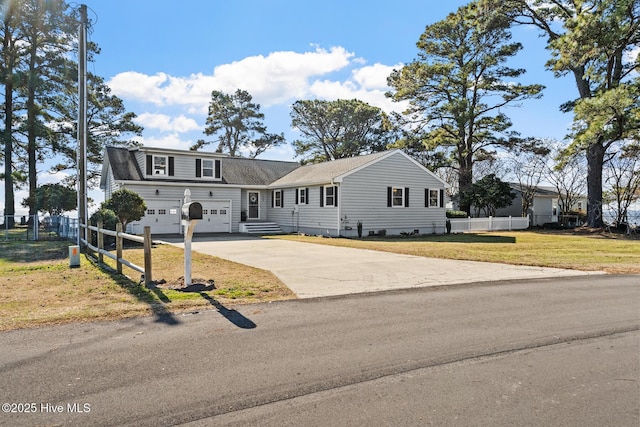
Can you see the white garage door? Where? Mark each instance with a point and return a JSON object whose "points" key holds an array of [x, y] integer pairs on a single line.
{"points": [[163, 216], [216, 217]]}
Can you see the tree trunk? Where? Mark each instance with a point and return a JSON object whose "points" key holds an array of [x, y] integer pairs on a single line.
{"points": [[8, 57], [595, 159], [465, 181], [32, 133]]}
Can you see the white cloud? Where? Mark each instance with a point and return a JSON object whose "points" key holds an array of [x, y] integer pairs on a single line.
{"points": [[51, 177], [374, 76], [172, 140], [167, 123], [272, 79], [134, 85]]}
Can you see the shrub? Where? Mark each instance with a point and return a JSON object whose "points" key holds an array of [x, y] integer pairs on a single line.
{"points": [[456, 214]]}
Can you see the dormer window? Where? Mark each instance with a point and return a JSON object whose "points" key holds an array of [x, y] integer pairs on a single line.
{"points": [[159, 165], [208, 168]]}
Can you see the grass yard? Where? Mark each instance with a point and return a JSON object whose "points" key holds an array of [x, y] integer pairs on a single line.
{"points": [[612, 253], [37, 286]]}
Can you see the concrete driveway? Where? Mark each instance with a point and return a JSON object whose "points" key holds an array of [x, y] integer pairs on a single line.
{"points": [[313, 270]]}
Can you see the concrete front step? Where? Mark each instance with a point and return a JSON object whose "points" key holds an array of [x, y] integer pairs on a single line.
{"points": [[260, 228]]}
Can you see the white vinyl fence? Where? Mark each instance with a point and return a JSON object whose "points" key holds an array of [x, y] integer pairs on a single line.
{"points": [[465, 225]]}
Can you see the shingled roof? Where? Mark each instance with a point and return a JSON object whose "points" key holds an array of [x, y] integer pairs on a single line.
{"points": [[123, 164], [235, 170], [321, 173], [241, 171]]}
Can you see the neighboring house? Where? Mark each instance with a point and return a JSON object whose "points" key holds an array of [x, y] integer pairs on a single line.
{"points": [[545, 207], [385, 191]]}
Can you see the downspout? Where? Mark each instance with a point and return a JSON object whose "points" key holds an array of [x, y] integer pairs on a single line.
{"points": [[339, 210]]}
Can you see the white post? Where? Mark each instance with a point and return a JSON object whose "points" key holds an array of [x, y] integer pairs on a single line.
{"points": [[188, 235], [187, 251], [510, 223]]}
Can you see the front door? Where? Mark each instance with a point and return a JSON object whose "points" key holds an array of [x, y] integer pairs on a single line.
{"points": [[254, 205]]}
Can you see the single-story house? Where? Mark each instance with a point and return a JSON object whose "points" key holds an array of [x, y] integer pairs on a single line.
{"points": [[545, 206], [384, 191]]}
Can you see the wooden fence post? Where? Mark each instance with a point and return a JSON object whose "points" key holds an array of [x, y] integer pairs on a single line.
{"points": [[100, 237], [147, 256], [118, 247]]}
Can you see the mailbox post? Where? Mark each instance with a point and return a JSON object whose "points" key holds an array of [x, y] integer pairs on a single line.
{"points": [[191, 213]]}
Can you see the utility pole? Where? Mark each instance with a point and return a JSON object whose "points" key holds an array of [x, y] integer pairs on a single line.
{"points": [[82, 127]]}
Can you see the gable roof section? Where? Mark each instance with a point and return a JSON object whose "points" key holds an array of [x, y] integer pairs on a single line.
{"points": [[540, 190], [322, 173], [123, 164], [336, 170]]}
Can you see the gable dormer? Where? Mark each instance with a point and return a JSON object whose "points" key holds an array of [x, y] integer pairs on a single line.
{"points": [[158, 165]]}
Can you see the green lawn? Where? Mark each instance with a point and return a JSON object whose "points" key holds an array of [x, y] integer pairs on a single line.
{"points": [[612, 253]]}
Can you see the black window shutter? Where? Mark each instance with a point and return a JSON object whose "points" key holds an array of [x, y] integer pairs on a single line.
{"points": [[218, 172], [389, 196], [198, 168], [297, 190], [170, 165], [442, 198], [321, 196], [149, 164], [273, 198], [306, 196], [406, 197], [426, 197], [282, 198], [335, 196]]}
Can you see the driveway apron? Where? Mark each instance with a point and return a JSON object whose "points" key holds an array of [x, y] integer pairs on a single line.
{"points": [[314, 270]]}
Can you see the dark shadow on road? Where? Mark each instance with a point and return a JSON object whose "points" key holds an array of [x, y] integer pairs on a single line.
{"points": [[232, 316]]}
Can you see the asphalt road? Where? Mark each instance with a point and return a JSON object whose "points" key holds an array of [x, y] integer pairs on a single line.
{"points": [[540, 352]]}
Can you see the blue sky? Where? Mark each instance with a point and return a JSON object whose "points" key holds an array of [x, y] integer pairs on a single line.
{"points": [[163, 58]]}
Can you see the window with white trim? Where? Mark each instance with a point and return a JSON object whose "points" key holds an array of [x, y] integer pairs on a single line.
{"points": [[302, 196], [207, 168], [160, 165], [397, 197], [434, 198], [329, 196], [277, 199]]}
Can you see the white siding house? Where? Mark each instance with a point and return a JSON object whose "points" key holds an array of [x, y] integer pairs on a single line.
{"points": [[384, 191], [545, 207]]}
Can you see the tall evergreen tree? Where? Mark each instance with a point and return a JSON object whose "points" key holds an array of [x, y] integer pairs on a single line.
{"points": [[238, 124], [459, 87], [41, 103], [11, 56], [48, 31], [337, 129], [593, 40]]}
